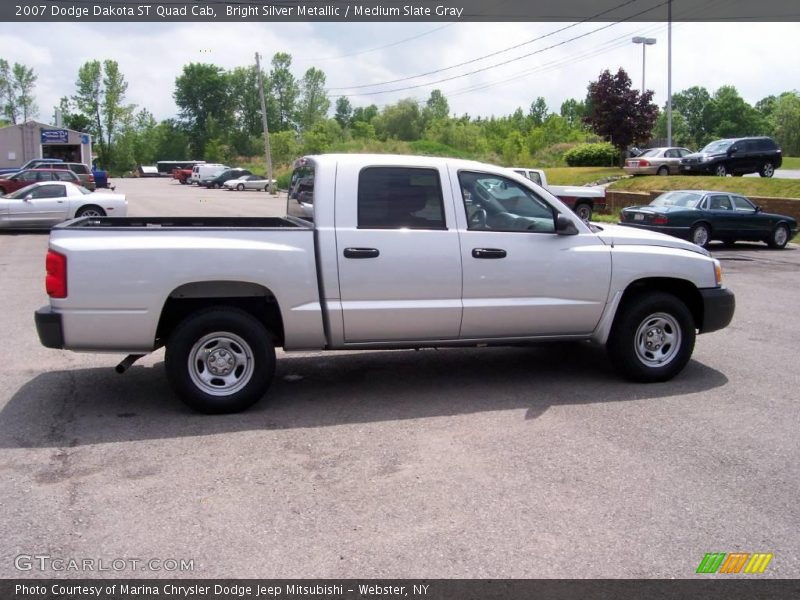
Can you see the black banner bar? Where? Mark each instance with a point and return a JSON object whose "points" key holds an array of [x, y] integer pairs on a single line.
{"points": [[718, 588], [397, 10]]}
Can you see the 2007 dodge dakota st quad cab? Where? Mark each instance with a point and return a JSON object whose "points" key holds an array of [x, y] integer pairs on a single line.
{"points": [[382, 252]]}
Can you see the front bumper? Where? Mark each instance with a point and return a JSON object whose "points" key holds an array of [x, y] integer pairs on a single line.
{"points": [[49, 328], [718, 307]]}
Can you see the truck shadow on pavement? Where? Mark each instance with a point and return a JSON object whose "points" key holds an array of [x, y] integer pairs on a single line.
{"points": [[95, 406]]}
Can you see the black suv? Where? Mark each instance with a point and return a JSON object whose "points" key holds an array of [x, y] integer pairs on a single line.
{"points": [[735, 157], [216, 182]]}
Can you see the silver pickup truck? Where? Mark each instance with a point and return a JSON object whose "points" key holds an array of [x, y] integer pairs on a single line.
{"points": [[377, 251]]}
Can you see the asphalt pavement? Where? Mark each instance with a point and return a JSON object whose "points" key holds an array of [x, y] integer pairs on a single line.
{"points": [[488, 463]]}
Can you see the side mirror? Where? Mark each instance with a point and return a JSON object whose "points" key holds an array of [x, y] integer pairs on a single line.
{"points": [[758, 209], [565, 226], [733, 150], [28, 198]]}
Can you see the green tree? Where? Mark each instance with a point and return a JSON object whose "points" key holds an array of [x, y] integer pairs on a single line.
{"points": [[786, 121], [364, 114], [402, 121], [729, 115], [619, 113], [17, 84], [574, 112], [344, 111], [538, 111], [284, 91], [100, 95], [202, 95], [681, 136], [72, 119], [314, 103], [693, 104], [436, 107]]}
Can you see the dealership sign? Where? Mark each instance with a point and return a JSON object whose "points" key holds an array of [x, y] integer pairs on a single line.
{"points": [[55, 136]]}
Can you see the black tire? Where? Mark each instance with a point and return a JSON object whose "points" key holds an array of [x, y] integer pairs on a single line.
{"points": [[700, 235], [779, 237], [218, 185], [652, 338], [720, 170], [228, 336], [584, 211], [183, 181], [266, 188], [767, 169], [90, 210], [663, 171], [738, 174]]}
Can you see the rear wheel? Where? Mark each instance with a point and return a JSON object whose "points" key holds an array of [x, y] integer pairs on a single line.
{"points": [[700, 235], [779, 237], [720, 170], [652, 338], [183, 181], [767, 170], [663, 171], [90, 211], [220, 360], [584, 211]]}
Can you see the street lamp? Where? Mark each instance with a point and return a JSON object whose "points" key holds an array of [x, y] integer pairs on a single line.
{"points": [[645, 42]]}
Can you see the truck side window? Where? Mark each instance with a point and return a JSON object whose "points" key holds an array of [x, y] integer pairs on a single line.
{"points": [[400, 198], [494, 203]]}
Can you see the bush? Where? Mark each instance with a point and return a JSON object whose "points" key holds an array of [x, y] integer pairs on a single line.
{"points": [[592, 155]]}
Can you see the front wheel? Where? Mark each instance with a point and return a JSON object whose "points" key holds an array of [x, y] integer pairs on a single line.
{"points": [[584, 211], [240, 187], [767, 170], [652, 338], [720, 171], [183, 181], [779, 237], [220, 360]]}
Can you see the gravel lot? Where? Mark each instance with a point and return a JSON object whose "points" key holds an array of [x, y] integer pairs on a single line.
{"points": [[491, 463]]}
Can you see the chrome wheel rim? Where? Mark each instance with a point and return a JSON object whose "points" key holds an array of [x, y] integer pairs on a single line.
{"points": [[721, 171], [221, 363], [700, 236], [769, 170], [658, 340], [91, 212], [584, 212], [780, 237]]}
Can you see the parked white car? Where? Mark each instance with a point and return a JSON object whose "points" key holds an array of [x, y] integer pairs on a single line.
{"points": [[248, 182], [47, 203]]}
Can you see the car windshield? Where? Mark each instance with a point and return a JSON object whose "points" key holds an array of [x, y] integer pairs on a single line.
{"points": [[683, 199], [718, 146], [651, 152]]}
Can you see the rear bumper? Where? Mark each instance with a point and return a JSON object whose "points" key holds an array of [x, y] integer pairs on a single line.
{"points": [[49, 328], [718, 307]]}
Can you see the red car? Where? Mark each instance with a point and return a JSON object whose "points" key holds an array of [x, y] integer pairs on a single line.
{"points": [[24, 178]]}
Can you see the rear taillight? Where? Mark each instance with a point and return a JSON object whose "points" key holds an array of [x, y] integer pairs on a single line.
{"points": [[56, 281], [659, 220], [91, 177], [644, 163]]}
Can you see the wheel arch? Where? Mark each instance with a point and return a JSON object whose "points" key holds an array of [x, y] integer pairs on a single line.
{"points": [[682, 289], [254, 298]]}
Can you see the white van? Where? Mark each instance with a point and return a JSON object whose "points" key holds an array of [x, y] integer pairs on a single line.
{"points": [[205, 171]]}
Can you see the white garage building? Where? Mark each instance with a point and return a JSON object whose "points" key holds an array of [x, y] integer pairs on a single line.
{"points": [[21, 143]]}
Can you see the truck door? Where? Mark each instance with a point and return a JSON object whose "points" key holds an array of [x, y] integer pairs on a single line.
{"points": [[398, 255], [520, 277]]}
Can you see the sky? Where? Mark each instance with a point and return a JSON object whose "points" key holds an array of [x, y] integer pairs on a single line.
{"points": [[759, 59]]}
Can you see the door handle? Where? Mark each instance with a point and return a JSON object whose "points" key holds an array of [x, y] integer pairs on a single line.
{"points": [[488, 253], [361, 252]]}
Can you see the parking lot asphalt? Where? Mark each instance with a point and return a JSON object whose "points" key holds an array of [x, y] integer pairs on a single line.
{"points": [[488, 463]]}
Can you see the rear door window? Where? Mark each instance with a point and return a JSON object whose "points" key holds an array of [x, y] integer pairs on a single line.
{"points": [[400, 198]]}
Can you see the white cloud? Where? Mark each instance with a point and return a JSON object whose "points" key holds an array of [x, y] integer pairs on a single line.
{"points": [[757, 58]]}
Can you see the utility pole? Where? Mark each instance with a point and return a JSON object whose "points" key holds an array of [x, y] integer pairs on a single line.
{"points": [[266, 127], [669, 73]]}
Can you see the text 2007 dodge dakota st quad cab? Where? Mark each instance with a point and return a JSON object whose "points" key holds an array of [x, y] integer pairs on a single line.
{"points": [[382, 252]]}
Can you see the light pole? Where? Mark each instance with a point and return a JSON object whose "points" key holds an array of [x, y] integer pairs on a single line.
{"points": [[645, 42], [669, 73]]}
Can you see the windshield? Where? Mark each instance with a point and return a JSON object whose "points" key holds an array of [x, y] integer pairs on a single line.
{"points": [[682, 199], [718, 146]]}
